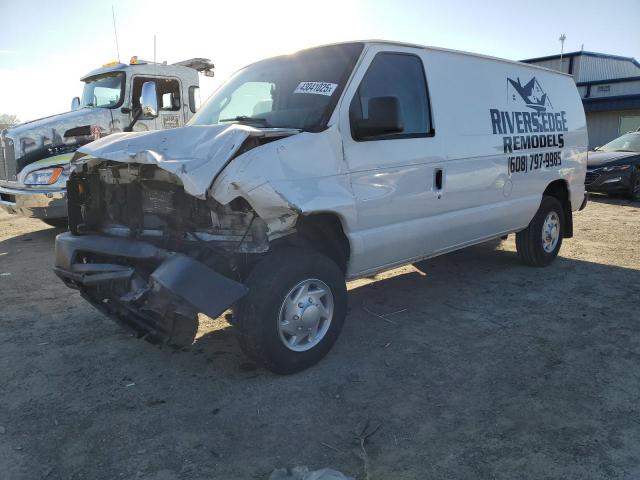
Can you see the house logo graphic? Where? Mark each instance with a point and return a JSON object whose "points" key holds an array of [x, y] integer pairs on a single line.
{"points": [[531, 94]]}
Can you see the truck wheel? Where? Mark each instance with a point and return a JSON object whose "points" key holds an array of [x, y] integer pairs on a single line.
{"points": [[538, 244], [294, 310], [57, 222]]}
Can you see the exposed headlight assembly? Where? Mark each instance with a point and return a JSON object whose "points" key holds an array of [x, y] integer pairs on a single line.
{"points": [[45, 176], [613, 168]]}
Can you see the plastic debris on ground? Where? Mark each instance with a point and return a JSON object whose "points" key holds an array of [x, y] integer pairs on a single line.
{"points": [[303, 473]]}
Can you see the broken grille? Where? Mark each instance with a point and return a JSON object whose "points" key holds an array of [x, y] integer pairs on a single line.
{"points": [[3, 166]]}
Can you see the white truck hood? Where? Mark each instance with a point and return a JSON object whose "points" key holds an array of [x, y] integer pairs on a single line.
{"points": [[195, 154]]}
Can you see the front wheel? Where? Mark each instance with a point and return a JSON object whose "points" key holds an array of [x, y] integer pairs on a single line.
{"points": [[538, 244], [294, 310]]}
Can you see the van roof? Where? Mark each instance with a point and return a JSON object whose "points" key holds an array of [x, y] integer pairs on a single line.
{"points": [[440, 49]]}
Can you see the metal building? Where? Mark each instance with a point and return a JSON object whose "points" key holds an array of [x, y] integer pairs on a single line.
{"points": [[610, 89]]}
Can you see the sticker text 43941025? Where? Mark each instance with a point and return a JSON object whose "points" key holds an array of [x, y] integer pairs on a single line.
{"points": [[316, 88]]}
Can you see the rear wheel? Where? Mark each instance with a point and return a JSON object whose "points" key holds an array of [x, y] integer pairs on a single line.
{"points": [[294, 310], [538, 244]]}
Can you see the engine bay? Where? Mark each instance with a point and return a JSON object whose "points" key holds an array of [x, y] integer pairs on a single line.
{"points": [[143, 201]]}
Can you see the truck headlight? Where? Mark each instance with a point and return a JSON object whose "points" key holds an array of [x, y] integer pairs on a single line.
{"points": [[613, 168], [46, 176]]}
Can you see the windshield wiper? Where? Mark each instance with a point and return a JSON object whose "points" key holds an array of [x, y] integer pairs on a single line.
{"points": [[246, 119]]}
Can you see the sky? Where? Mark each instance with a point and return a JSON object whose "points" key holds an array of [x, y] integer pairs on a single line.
{"points": [[46, 46]]}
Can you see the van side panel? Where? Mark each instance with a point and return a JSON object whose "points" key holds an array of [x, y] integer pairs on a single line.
{"points": [[503, 132], [487, 124]]}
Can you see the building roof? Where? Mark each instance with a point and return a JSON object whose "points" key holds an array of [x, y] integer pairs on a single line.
{"points": [[585, 53]]}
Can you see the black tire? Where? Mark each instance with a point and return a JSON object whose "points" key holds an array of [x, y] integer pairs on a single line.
{"points": [[529, 242], [257, 315], [634, 189], [57, 222]]}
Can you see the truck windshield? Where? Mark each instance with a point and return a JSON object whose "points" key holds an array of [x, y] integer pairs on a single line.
{"points": [[293, 91], [103, 91]]}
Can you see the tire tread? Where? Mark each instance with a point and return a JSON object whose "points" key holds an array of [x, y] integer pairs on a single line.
{"points": [[278, 269], [528, 244]]}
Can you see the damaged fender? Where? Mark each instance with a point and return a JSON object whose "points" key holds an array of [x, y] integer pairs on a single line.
{"points": [[302, 174]]}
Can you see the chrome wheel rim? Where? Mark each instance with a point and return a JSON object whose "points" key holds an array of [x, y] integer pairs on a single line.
{"points": [[550, 232], [305, 315]]}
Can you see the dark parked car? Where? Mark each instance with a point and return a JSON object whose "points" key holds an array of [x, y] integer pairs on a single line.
{"points": [[615, 167]]}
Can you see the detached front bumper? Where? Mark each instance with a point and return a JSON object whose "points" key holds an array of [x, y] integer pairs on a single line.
{"points": [[141, 286], [34, 203], [614, 181]]}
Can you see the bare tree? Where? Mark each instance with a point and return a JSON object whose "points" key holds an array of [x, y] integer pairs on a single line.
{"points": [[8, 120]]}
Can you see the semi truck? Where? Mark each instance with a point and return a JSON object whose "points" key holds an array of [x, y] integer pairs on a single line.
{"points": [[34, 156]]}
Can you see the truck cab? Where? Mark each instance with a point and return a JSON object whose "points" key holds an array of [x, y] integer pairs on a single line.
{"points": [[35, 155]]}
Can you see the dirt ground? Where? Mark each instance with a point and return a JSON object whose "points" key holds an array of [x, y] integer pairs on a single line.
{"points": [[474, 366]]}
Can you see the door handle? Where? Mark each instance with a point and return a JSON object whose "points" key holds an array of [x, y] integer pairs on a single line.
{"points": [[437, 179]]}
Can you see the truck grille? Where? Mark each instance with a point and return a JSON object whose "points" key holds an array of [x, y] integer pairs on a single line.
{"points": [[3, 166], [591, 177], [7, 160]]}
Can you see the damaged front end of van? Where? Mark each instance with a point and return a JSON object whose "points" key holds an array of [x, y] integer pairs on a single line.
{"points": [[150, 243]]}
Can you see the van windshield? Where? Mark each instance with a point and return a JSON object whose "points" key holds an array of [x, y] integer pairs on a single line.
{"points": [[293, 91], [103, 91]]}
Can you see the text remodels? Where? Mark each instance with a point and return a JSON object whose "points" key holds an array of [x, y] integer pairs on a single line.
{"points": [[525, 130]]}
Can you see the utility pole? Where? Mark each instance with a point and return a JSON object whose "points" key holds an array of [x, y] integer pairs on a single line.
{"points": [[562, 38]]}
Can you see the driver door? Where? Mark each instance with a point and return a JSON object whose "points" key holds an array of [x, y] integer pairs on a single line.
{"points": [[393, 176], [169, 104]]}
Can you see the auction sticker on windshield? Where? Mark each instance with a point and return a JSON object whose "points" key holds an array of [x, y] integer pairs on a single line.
{"points": [[316, 88]]}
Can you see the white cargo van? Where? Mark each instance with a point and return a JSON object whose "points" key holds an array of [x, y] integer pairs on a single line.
{"points": [[304, 170]]}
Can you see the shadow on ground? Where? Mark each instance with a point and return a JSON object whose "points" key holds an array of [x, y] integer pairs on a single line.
{"points": [[613, 200]]}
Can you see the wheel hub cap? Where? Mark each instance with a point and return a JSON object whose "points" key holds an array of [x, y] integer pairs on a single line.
{"points": [[305, 315], [550, 232], [310, 317]]}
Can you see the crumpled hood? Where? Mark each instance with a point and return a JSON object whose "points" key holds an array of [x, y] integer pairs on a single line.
{"points": [[600, 159], [195, 154]]}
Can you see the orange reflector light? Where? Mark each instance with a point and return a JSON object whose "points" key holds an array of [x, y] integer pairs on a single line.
{"points": [[55, 175]]}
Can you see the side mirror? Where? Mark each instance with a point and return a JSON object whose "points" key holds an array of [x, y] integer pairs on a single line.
{"points": [[75, 103], [384, 118], [149, 100]]}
